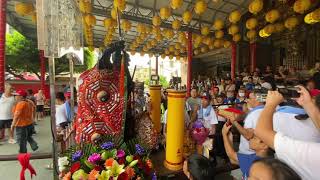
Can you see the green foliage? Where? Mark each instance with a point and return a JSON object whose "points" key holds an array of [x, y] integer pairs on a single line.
{"points": [[22, 55], [163, 81]]}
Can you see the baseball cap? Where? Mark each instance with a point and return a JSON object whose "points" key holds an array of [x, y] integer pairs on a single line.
{"points": [[205, 96], [20, 92]]}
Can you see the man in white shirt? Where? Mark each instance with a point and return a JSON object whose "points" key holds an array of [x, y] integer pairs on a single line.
{"points": [[61, 115], [302, 156], [265, 84], [7, 102]]}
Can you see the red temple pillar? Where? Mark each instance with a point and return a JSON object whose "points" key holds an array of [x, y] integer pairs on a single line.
{"points": [[253, 56], [189, 75], [233, 60], [3, 5], [42, 69]]}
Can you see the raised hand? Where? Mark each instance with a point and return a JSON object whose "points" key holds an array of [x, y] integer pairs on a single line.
{"points": [[305, 96], [274, 98]]}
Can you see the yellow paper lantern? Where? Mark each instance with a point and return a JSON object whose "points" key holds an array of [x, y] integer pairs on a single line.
{"points": [[176, 53], [120, 4], [167, 52], [256, 6], [142, 53], [141, 28], [218, 43], [279, 27], [204, 49], [34, 17], [205, 30], [182, 37], [170, 56], [171, 48], [23, 9], [156, 30], [177, 46], [168, 34], [85, 6], [200, 7], [108, 23], [198, 39], [176, 24], [236, 37], [196, 52], [269, 29], [90, 20], [313, 17], [156, 21], [126, 25], [233, 29], [301, 6], [263, 34], [163, 56], [165, 13], [206, 40], [226, 44], [176, 4], [218, 24], [187, 17], [251, 23], [178, 57], [291, 23], [153, 42], [272, 15], [219, 34], [234, 16], [114, 13], [158, 37], [252, 34], [150, 54]]}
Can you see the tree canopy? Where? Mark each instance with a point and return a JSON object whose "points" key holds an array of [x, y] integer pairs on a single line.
{"points": [[162, 81], [22, 55]]}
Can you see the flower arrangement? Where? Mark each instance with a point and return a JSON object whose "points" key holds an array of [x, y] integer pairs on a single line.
{"points": [[106, 162]]}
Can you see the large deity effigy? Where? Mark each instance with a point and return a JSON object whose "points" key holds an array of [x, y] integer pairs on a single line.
{"points": [[101, 107]]}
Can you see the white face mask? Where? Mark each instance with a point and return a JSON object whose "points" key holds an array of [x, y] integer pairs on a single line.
{"points": [[241, 94]]}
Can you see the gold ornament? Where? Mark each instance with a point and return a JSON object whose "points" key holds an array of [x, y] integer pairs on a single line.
{"points": [[141, 28], [177, 46], [218, 43], [142, 53], [170, 56], [272, 15], [114, 13], [218, 24], [204, 49], [200, 7], [251, 23], [279, 27], [156, 21], [168, 33], [171, 48], [256, 6], [163, 56], [234, 16], [187, 17], [109, 23]]}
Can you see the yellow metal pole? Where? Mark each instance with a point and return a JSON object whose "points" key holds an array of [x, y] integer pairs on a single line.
{"points": [[155, 98], [175, 130]]}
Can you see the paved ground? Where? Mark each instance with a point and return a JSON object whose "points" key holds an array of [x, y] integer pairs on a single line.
{"points": [[10, 170]]}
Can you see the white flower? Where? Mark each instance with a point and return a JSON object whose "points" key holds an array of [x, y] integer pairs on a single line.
{"points": [[62, 163]]}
